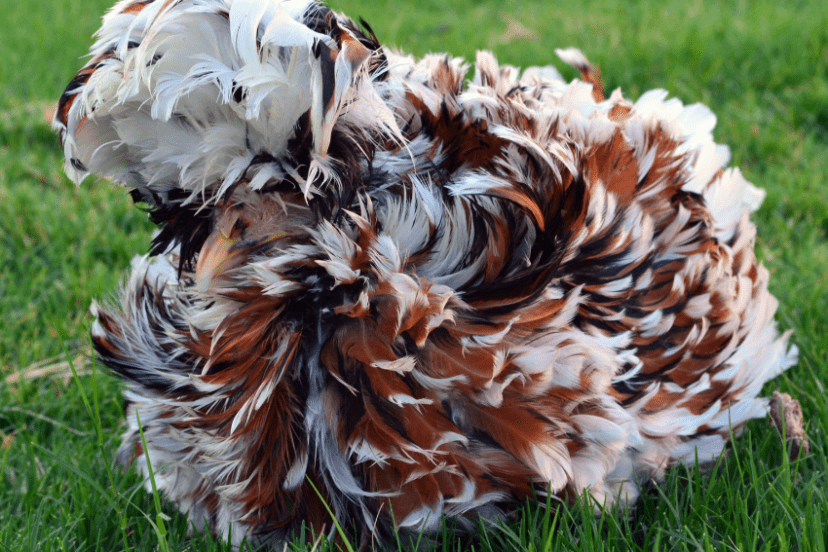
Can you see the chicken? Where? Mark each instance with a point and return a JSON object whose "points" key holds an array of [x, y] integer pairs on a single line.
{"points": [[387, 287]]}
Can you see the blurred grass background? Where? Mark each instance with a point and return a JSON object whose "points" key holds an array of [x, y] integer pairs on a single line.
{"points": [[762, 66]]}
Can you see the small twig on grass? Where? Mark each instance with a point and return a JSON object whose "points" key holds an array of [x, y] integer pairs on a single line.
{"points": [[51, 367], [786, 417], [316, 541]]}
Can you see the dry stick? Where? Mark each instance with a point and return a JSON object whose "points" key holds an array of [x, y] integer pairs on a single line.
{"points": [[49, 367], [786, 417]]}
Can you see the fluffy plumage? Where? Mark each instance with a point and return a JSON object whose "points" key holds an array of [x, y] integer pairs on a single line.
{"points": [[423, 291]]}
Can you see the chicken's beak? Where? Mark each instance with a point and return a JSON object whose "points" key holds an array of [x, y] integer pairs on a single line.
{"points": [[233, 240], [215, 257]]}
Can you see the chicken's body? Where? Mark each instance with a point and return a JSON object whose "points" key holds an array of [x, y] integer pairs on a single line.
{"points": [[421, 295]]}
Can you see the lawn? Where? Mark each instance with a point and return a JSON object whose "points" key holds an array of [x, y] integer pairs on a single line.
{"points": [[763, 68]]}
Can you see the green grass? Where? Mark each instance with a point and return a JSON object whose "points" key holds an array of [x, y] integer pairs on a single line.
{"points": [[761, 65]]}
